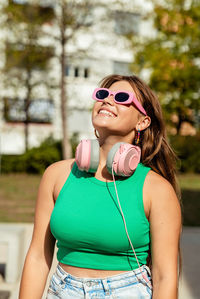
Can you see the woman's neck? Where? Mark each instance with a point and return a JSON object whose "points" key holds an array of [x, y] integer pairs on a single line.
{"points": [[105, 146]]}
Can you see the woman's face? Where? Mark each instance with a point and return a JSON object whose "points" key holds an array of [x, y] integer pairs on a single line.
{"points": [[110, 118]]}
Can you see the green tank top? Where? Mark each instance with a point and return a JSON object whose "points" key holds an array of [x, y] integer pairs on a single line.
{"points": [[88, 226]]}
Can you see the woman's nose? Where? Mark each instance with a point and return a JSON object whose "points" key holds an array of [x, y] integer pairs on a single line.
{"points": [[109, 99]]}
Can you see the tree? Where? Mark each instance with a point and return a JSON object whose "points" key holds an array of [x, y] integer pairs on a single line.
{"points": [[172, 55], [71, 19], [25, 55]]}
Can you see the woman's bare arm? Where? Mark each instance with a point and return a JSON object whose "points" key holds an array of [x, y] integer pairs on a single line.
{"points": [[40, 254], [165, 227]]}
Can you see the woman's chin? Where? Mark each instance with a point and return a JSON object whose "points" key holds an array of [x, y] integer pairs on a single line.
{"points": [[103, 121]]}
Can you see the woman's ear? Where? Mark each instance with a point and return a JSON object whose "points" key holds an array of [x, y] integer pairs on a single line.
{"points": [[143, 123]]}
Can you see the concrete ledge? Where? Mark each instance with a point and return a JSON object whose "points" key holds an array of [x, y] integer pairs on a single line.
{"points": [[11, 243], [4, 294]]}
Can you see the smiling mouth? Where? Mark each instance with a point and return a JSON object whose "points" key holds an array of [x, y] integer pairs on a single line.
{"points": [[106, 113]]}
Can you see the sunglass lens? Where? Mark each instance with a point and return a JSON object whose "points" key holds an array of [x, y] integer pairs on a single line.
{"points": [[102, 94], [121, 97]]}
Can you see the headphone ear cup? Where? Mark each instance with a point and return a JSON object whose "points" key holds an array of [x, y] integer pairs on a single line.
{"points": [[87, 155], [95, 152], [125, 157], [111, 155]]}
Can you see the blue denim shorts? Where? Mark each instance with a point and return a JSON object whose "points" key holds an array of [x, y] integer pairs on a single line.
{"points": [[129, 284]]}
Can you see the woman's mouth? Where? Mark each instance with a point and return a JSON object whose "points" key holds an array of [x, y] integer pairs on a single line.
{"points": [[105, 112]]}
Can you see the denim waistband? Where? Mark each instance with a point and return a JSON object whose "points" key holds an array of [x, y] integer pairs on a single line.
{"points": [[114, 281]]}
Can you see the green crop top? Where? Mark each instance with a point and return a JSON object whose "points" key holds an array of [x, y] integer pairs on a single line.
{"points": [[88, 226]]}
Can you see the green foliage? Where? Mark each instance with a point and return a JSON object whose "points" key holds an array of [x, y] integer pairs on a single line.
{"points": [[13, 163], [173, 56], [38, 159], [35, 160], [188, 150], [28, 13], [30, 57]]}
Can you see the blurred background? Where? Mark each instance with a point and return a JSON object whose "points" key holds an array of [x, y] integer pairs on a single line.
{"points": [[53, 53]]}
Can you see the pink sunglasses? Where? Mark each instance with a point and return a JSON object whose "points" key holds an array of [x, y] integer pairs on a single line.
{"points": [[120, 97]]}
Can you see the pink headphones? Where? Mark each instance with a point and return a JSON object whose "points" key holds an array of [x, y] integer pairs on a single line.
{"points": [[124, 157]]}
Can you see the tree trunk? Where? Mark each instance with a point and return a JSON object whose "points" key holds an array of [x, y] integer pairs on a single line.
{"points": [[26, 109], [26, 134], [181, 119], [66, 147], [178, 127]]}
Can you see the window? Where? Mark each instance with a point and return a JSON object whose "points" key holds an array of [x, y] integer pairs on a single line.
{"points": [[85, 16], [86, 73], [75, 71], [67, 70], [126, 22], [39, 111]]}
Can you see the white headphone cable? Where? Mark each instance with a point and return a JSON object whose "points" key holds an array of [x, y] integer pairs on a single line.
{"points": [[144, 276]]}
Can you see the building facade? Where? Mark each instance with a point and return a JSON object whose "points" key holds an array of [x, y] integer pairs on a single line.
{"points": [[95, 52]]}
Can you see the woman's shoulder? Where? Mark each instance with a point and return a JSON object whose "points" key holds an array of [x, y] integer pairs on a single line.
{"points": [[158, 189], [57, 167], [57, 173], [153, 180], [157, 181]]}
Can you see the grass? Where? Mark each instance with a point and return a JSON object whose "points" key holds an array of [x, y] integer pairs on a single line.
{"points": [[189, 181], [18, 193]]}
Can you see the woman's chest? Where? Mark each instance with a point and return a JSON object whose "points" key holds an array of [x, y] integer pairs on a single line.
{"points": [[93, 217]]}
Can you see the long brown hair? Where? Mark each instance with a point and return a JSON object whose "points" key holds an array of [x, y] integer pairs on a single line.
{"points": [[156, 151]]}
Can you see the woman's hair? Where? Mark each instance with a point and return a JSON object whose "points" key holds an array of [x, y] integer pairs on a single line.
{"points": [[156, 151]]}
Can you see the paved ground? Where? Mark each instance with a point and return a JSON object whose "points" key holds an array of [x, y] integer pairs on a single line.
{"points": [[190, 244], [189, 284]]}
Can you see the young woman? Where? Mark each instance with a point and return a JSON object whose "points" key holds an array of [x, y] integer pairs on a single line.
{"points": [[112, 217]]}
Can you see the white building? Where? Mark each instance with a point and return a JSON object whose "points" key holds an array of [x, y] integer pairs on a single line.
{"points": [[106, 52]]}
